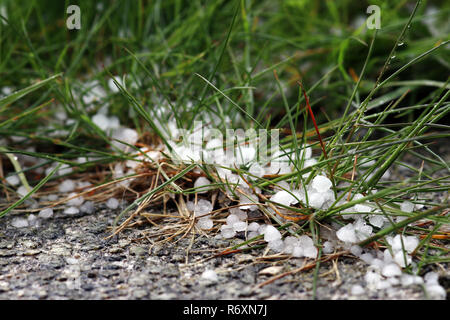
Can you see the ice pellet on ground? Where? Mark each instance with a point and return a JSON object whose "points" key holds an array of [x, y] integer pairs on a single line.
{"points": [[402, 259], [75, 202], [377, 220], [347, 233], [328, 247], [227, 231], [19, 223], [33, 220], [436, 291], [297, 251], [283, 197], [13, 180], [310, 252], [52, 197], [248, 199], [112, 203], [46, 213], [22, 191], [366, 257], [71, 210], [101, 121], [409, 243], [321, 183], [362, 230], [305, 241], [262, 228], [210, 275], [253, 227], [66, 186], [232, 219], [362, 208], [356, 250], [271, 234], [276, 245], [316, 199], [205, 223], [357, 290], [190, 205], [372, 278], [201, 183], [87, 207], [256, 170], [289, 243], [240, 226], [252, 234], [391, 270], [242, 215], [203, 207], [431, 278], [407, 206], [127, 135]]}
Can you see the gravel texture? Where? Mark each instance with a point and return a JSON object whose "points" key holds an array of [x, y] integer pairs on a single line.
{"points": [[69, 258]]}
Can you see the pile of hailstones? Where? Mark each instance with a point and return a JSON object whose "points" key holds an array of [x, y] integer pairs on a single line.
{"points": [[385, 267], [384, 270]]}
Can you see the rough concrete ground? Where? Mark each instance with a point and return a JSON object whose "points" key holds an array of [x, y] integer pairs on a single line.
{"points": [[69, 258]]}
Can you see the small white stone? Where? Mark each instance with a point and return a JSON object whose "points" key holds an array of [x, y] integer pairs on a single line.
{"points": [[19, 223], [46, 213], [210, 275], [271, 234], [112, 203]]}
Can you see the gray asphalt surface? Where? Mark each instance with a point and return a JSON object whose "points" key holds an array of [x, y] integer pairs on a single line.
{"points": [[69, 258]]}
